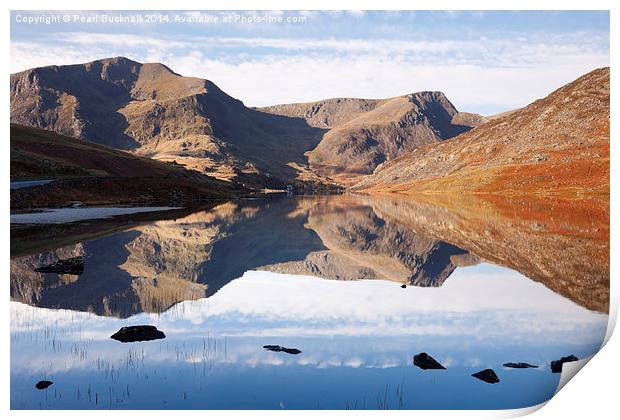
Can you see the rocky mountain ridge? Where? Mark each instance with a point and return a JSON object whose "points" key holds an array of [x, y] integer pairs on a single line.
{"points": [[363, 133], [151, 111], [557, 145]]}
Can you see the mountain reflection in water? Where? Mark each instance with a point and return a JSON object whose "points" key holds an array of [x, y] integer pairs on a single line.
{"points": [[155, 265], [499, 281]]}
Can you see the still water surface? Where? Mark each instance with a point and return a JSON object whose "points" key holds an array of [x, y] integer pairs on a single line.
{"points": [[322, 275]]}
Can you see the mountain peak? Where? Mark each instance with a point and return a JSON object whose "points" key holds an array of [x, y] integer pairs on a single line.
{"points": [[435, 94], [562, 140], [119, 60]]}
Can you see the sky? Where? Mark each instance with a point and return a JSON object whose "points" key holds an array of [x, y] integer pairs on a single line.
{"points": [[484, 61]]}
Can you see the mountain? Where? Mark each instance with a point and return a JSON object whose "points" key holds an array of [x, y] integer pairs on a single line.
{"points": [[556, 145], [154, 112], [364, 133], [95, 174], [151, 111]]}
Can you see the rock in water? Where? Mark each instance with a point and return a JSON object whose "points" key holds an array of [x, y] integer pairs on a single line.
{"points": [[424, 361], [138, 333], [519, 365], [487, 375], [73, 265], [278, 349], [556, 365], [43, 384]]}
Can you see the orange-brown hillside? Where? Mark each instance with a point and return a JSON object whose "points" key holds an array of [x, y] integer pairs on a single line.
{"points": [[557, 145]]}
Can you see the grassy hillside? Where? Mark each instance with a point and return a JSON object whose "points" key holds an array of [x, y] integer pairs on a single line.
{"points": [[98, 175]]}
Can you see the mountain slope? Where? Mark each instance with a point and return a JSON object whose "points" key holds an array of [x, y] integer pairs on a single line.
{"points": [[152, 111], [95, 174], [558, 144], [148, 109], [328, 113], [364, 133]]}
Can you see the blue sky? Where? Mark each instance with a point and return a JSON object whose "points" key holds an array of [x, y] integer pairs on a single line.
{"points": [[485, 62]]}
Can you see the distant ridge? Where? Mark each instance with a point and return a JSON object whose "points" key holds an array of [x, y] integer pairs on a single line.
{"points": [[364, 133]]}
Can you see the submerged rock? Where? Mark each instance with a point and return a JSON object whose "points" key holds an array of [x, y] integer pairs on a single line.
{"points": [[556, 365], [73, 265], [278, 349], [519, 365], [138, 333], [487, 375], [424, 361], [43, 384]]}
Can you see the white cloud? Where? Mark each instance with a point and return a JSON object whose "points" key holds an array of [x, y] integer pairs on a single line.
{"points": [[119, 40], [265, 304], [354, 362], [474, 73], [25, 55], [365, 324], [356, 13], [273, 79], [532, 49]]}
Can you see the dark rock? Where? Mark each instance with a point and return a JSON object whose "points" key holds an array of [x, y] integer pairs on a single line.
{"points": [[487, 375], [43, 384], [424, 361], [519, 365], [138, 333], [73, 265], [404, 286], [272, 347], [556, 365], [278, 349]]}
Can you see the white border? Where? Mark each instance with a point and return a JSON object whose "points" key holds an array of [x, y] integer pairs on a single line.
{"points": [[592, 395]]}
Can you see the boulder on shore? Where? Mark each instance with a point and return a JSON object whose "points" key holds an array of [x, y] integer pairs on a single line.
{"points": [[487, 375], [519, 365], [424, 361], [278, 349], [138, 333], [556, 365], [43, 384]]}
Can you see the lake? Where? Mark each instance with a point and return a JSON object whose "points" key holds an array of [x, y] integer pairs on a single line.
{"points": [[487, 281]]}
